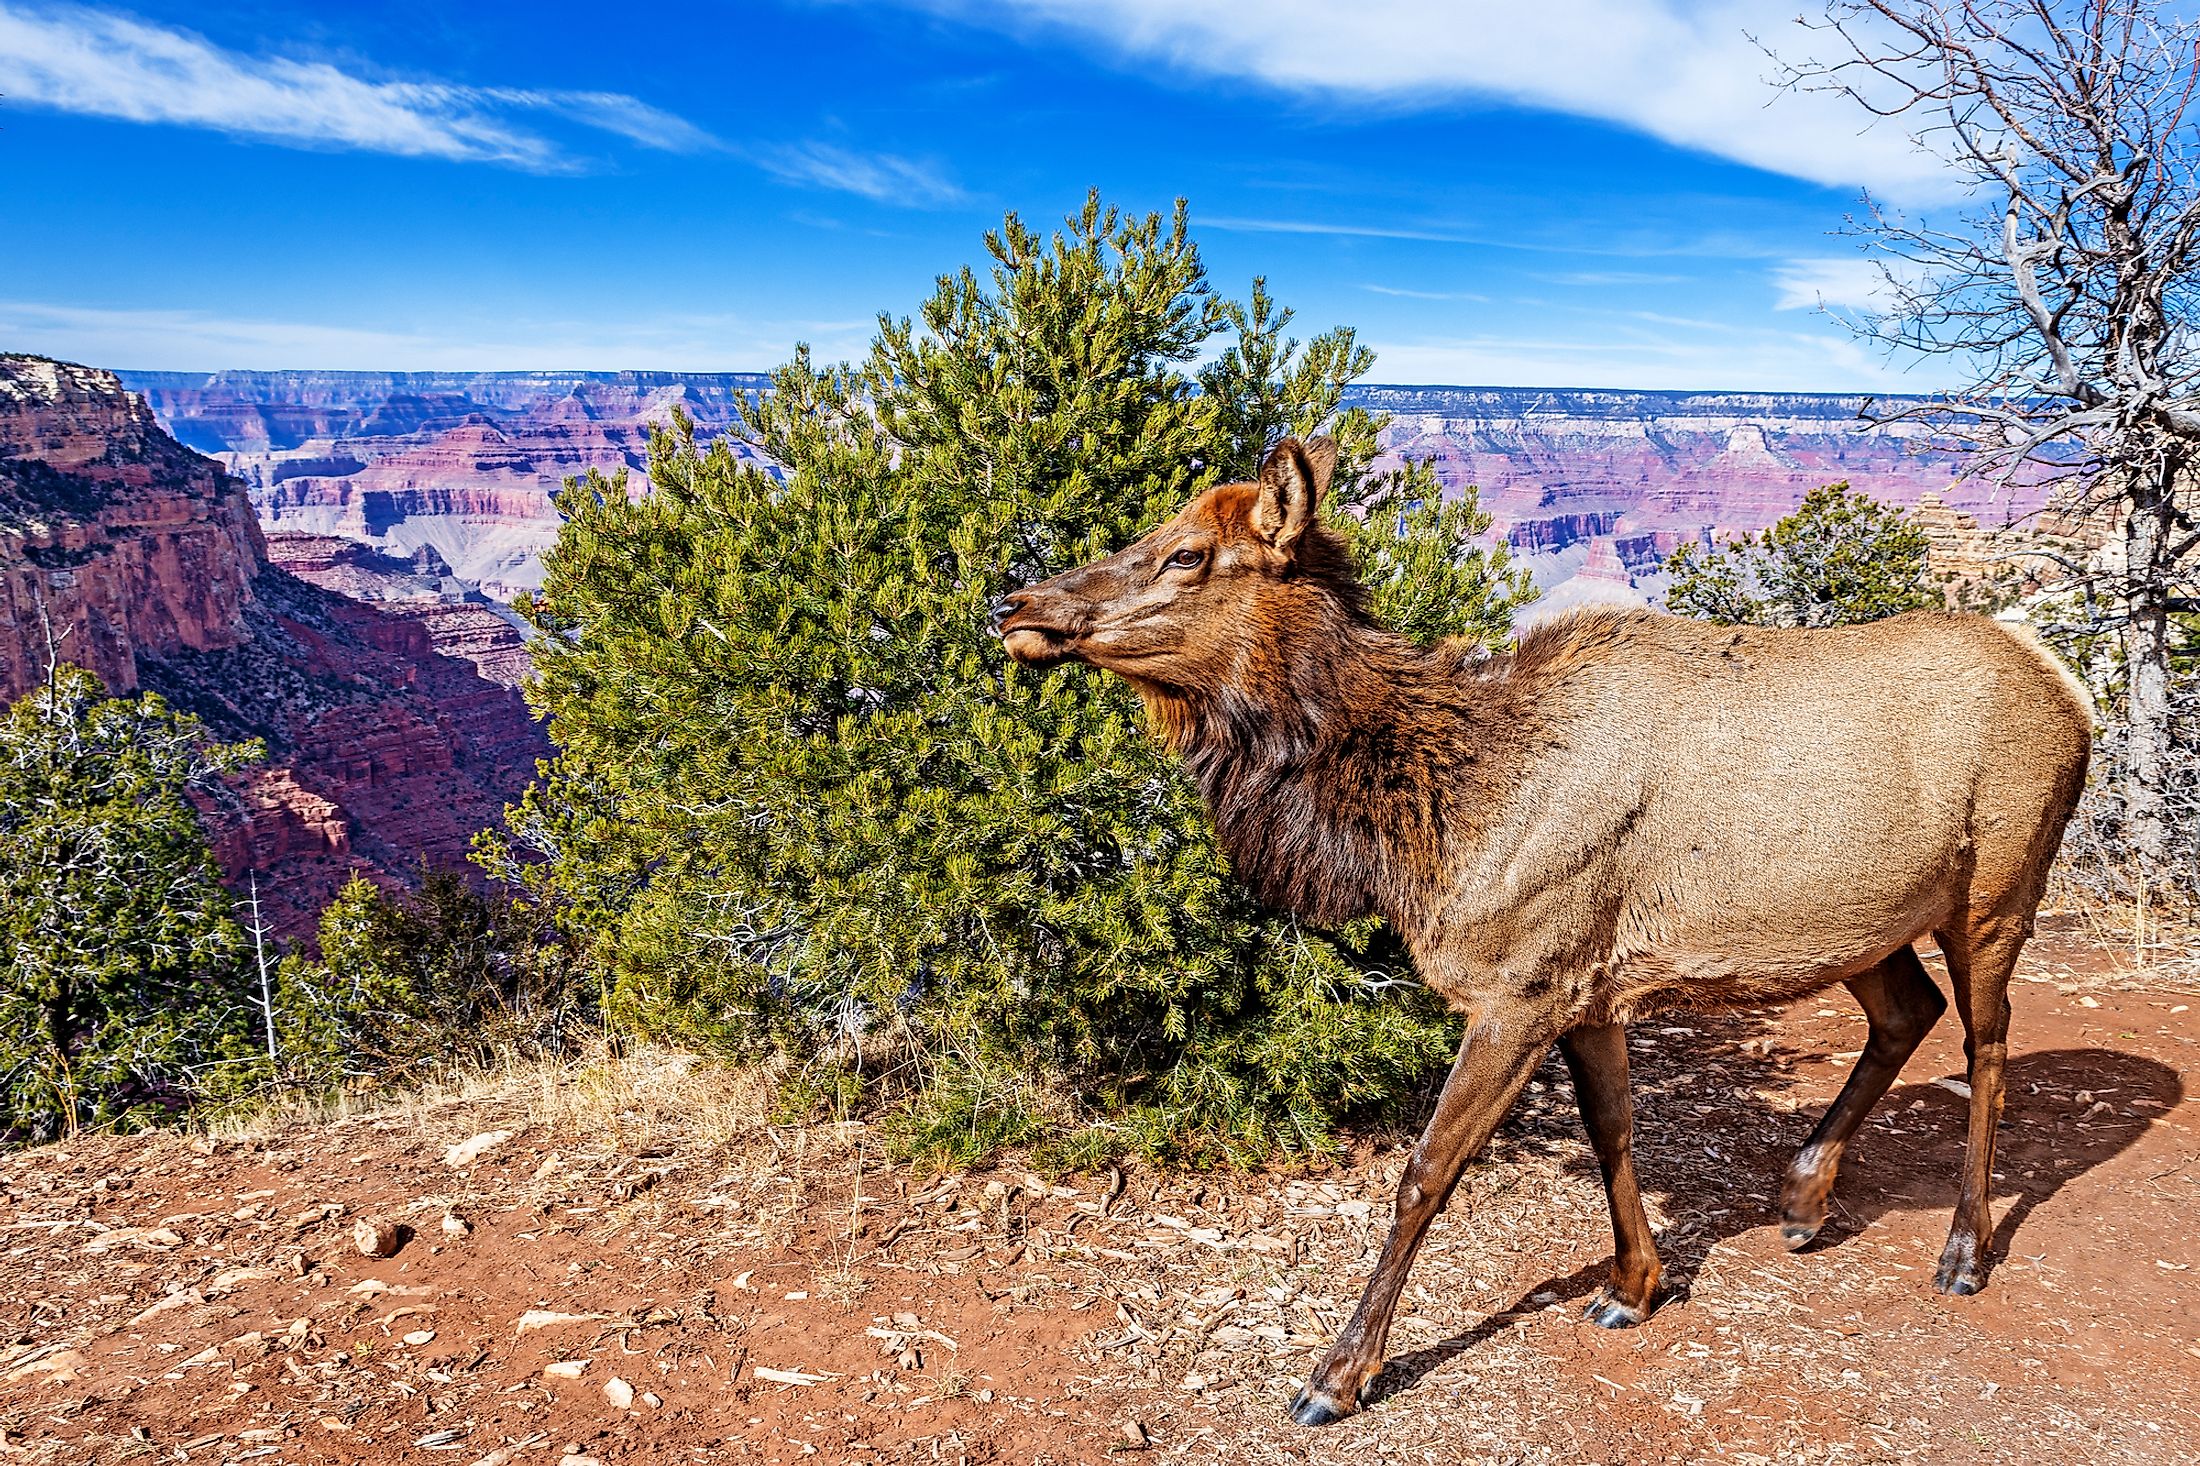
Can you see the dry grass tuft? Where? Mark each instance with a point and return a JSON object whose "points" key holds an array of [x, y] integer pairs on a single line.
{"points": [[652, 1096], [639, 1098]]}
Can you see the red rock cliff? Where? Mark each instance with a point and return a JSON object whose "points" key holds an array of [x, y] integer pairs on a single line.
{"points": [[147, 563], [113, 537], [467, 462], [461, 622]]}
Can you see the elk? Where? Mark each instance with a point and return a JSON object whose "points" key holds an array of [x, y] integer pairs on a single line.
{"points": [[1628, 812]]}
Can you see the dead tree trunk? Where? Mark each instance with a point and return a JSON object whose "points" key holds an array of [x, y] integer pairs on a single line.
{"points": [[2147, 534], [2063, 294]]}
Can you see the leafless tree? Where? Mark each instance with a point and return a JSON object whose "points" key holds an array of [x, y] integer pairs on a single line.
{"points": [[2062, 289], [258, 932]]}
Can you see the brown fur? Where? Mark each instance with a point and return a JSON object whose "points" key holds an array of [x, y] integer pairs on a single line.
{"points": [[1627, 812]]}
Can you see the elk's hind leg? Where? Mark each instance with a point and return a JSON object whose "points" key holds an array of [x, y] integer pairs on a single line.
{"points": [[1901, 1004], [1596, 1055], [1981, 958]]}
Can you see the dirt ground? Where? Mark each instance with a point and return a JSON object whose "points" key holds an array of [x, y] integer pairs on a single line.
{"points": [[634, 1274]]}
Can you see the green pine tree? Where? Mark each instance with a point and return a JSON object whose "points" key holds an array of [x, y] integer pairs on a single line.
{"points": [[122, 975], [803, 802], [406, 982], [1841, 557]]}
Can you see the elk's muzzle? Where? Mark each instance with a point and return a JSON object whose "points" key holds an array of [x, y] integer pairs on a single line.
{"points": [[1032, 628]]}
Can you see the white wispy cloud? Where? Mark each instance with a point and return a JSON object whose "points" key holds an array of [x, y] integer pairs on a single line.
{"points": [[1612, 277], [1693, 74], [1403, 293], [1842, 282], [1576, 346], [106, 64], [615, 112], [1347, 229], [102, 63], [1764, 361], [882, 177], [1647, 240]]}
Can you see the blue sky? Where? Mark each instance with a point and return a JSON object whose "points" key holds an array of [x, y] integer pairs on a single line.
{"points": [[1595, 195]]}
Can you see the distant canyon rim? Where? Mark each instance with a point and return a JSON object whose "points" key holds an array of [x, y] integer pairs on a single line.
{"points": [[1592, 489]]}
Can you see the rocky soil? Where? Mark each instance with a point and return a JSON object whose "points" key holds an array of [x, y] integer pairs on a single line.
{"points": [[622, 1262]]}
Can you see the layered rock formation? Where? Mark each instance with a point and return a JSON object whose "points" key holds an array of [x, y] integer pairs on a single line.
{"points": [[2008, 559], [112, 537], [464, 464], [460, 621], [146, 562], [467, 463], [1594, 490]]}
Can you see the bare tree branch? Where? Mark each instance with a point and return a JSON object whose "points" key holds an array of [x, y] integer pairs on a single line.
{"points": [[2063, 294]]}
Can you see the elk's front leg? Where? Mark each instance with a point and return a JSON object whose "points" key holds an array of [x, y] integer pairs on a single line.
{"points": [[1484, 1082]]}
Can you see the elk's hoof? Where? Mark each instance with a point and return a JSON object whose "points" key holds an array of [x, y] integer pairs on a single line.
{"points": [[1959, 1282], [1795, 1235], [1959, 1279], [1313, 1409], [1611, 1313], [1961, 1272]]}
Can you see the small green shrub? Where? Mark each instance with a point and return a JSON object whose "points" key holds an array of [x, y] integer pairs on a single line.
{"points": [[122, 975], [1840, 558], [409, 982]]}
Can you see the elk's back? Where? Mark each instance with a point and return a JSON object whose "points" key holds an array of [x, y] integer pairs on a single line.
{"points": [[1721, 815]]}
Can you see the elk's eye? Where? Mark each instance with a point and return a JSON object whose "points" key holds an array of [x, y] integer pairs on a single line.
{"points": [[1187, 559]]}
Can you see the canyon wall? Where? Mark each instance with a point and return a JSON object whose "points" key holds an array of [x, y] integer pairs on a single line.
{"points": [[1592, 489], [465, 464], [460, 621], [335, 582], [126, 552], [112, 537]]}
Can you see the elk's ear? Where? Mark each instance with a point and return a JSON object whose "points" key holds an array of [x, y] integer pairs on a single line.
{"points": [[1292, 482]]}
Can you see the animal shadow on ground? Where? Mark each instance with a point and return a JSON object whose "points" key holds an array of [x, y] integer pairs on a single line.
{"points": [[1712, 1143]]}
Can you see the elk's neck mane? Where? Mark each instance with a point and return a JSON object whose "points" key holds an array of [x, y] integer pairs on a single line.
{"points": [[1338, 758]]}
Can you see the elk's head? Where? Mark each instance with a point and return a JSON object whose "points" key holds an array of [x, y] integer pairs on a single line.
{"points": [[1182, 607]]}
